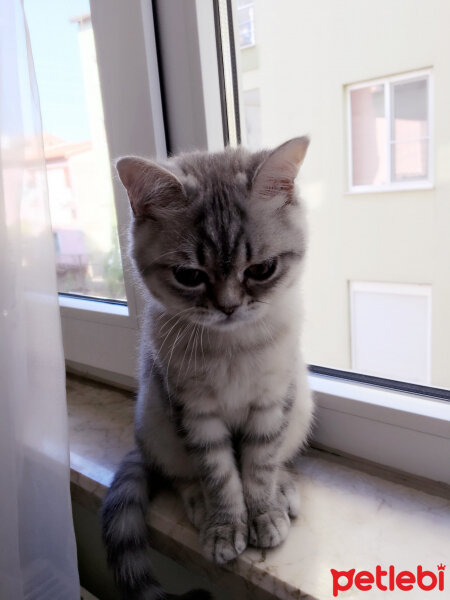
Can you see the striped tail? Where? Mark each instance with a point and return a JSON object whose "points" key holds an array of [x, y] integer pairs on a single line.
{"points": [[125, 532]]}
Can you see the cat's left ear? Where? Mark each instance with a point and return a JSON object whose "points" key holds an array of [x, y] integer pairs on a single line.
{"points": [[276, 175], [153, 190]]}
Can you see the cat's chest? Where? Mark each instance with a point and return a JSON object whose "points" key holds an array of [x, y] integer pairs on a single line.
{"points": [[232, 382]]}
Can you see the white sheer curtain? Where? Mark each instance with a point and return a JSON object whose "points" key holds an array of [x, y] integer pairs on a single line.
{"points": [[37, 544]]}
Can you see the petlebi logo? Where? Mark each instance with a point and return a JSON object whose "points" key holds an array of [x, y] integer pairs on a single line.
{"points": [[389, 579]]}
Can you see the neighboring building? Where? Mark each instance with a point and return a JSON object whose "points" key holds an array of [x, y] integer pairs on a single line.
{"points": [[370, 83], [81, 195], [69, 237]]}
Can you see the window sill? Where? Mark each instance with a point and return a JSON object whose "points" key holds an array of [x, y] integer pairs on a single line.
{"points": [[403, 431], [99, 311], [406, 187], [341, 505]]}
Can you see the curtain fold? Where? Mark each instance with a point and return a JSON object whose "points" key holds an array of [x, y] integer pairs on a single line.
{"points": [[37, 543]]}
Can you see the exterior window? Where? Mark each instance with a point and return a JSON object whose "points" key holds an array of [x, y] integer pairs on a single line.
{"points": [[390, 133], [391, 330], [246, 23]]}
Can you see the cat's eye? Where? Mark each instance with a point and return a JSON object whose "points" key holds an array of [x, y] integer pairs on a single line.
{"points": [[189, 277], [261, 271]]}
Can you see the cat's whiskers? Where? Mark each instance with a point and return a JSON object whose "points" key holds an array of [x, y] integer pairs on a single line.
{"points": [[185, 350], [161, 348], [166, 336], [170, 317], [178, 340], [174, 316], [194, 346], [201, 342]]}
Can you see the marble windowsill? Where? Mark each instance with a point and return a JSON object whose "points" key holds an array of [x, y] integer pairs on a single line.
{"points": [[349, 518]]}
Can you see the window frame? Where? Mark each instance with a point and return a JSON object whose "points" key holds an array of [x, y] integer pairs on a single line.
{"points": [[397, 429], [88, 322], [387, 82]]}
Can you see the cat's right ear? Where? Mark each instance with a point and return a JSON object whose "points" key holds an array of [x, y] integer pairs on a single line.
{"points": [[152, 189]]}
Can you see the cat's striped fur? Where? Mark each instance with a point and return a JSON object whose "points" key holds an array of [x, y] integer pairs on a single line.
{"points": [[223, 403]]}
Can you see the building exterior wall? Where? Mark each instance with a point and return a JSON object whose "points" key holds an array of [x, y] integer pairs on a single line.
{"points": [[307, 53]]}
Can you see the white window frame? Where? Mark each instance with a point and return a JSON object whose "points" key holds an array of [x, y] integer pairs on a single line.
{"points": [[397, 429], [391, 186]]}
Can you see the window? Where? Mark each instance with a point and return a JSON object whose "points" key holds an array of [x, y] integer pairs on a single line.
{"points": [[95, 108], [387, 239], [293, 84], [390, 133], [88, 260], [391, 330], [246, 23]]}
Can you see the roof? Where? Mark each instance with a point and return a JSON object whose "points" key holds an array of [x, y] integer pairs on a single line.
{"points": [[82, 18]]}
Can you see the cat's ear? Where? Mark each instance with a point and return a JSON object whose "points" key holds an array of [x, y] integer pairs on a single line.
{"points": [[276, 176], [152, 189]]}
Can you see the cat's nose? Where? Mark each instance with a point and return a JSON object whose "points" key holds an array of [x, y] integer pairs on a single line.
{"points": [[228, 310]]}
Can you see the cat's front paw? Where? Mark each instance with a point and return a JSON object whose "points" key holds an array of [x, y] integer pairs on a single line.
{"points": [[268, 529], [225, 541], [288, 495]]}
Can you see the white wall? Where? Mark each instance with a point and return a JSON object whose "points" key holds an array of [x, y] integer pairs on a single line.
{"points": [[308, 51]]}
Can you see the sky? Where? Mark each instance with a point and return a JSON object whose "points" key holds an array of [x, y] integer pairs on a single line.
{"points": [[54, 43]]}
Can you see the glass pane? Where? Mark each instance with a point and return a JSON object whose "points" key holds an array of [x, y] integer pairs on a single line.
{"points": [[81, 197], [252, 114], [376, 282], [410, 130], [368, 123], [246, 23]]}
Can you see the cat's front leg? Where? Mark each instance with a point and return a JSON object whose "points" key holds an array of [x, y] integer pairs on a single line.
{"points": [[224, 532], [260, 465], [191, 494]]}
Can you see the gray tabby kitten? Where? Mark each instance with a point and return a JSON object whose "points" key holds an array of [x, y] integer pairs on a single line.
{"points": [[223, 404]]}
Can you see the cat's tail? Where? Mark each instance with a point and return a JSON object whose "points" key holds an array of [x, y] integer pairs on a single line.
{"points": [[125, 532]]}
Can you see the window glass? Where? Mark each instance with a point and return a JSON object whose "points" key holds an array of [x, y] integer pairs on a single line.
{"points": [[410, 130], [252, 113], [81, 197], [376, 285], [246, 23], [369, 135]]}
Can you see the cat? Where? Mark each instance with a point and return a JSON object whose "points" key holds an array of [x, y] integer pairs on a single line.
{"points": [[218, 241]]}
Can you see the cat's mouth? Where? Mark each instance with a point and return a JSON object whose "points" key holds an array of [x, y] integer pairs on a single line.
{"points": [[218, 320], [229, 320]]}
